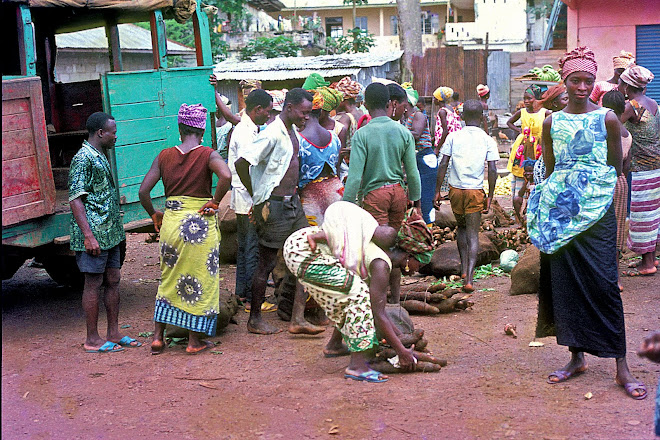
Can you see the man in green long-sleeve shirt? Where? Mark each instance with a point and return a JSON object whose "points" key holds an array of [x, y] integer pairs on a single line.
{"points": [[377, 151]]}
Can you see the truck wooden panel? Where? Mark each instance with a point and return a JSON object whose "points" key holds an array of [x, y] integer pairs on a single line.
{"points": [[28, 190]]}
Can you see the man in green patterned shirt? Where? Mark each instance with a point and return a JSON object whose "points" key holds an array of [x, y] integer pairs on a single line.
{"points": [[97, 232]]}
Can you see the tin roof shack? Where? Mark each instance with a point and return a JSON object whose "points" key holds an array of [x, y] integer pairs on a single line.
{"points": [[83, 55], [287, 73]]}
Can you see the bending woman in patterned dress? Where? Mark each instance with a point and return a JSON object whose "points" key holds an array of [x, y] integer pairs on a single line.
{"points": [[343, 266], [188, 295], [570, 218]]}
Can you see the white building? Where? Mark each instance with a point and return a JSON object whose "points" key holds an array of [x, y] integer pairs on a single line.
{"points": [[502, 22]]}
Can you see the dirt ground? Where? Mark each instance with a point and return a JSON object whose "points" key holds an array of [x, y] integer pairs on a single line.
{"points": [[281, 386]]}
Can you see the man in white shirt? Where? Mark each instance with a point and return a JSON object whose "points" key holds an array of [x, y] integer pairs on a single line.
{"points": [[258, 106], [468, 149], [269, 170]]}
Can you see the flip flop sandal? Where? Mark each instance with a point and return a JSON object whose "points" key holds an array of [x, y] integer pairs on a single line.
{"points": [[108, 347], [368, 376], [127, 341], [637, 273], [632, 386], [268, 307], [207, 345], [563, 375]]}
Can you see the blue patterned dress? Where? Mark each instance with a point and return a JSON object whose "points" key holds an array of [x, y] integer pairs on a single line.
{"points": [[571, 220], [579, 191]]}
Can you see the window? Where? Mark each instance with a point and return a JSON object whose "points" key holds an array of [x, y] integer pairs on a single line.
{"points": [[334, 27], [361, 22], [430, 23], [395, 24]]}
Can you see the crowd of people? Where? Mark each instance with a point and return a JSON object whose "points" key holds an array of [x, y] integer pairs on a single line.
{"points": [[343, 181]]}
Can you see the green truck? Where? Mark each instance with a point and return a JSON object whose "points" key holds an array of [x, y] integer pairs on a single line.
{"points": [[43, 123]]}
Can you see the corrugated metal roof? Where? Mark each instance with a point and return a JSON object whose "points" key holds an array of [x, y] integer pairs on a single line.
{"points": [[333, 4], [131, 37], [274, 69]]}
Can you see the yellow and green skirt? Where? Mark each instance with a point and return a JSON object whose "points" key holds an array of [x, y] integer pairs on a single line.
{"points": [[188, 295]]}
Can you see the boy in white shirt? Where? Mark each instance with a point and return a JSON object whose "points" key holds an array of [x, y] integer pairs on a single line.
{"points": [[468, 149]]}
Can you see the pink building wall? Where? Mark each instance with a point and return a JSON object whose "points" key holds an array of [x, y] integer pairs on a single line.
{"points": [[608, 26]]}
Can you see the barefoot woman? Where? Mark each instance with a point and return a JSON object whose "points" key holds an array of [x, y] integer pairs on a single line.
{"points": [[188, 295], [571, 220]]}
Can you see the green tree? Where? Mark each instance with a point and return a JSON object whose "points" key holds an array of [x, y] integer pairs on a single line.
{"points": [[280, 46], [357, 41]]}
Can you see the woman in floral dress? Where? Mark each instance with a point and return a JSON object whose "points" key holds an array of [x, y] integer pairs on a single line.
{"points": [[571, 220], [188, 294], [447, 121]]}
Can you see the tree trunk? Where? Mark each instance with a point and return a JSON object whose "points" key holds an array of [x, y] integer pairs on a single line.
{"points": [[354, 14], [409, 18]]}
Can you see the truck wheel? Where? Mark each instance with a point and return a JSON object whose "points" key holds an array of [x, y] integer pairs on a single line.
{"points": [[64, 270]]}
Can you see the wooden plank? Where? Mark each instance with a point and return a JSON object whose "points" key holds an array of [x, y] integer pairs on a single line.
{"points": [[15, 122], [112, 33], [158, 39], [140, 130], [18, 200], [15, 106], [17, 144], [127, 112], [27, 48], [202, 38], [19, 176], [136, 159], [132, 87], [15, 215], [46, 181]]}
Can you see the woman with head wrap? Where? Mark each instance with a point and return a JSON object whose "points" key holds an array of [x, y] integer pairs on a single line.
{"points": [[528, 142], [331, 100], [446, 121], [278, 103], [427, 161], [571, 220], [348, 114], [642, 119], [314, 81], [188, 295], [484, 94], [318, 155], [345, 266], [621, 62]]}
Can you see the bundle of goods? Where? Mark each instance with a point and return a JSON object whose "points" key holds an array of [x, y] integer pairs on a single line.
{"points": [[435, 299], [545, 73]]}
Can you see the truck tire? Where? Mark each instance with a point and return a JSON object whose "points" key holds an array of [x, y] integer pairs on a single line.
{"points": [[64, 270]]}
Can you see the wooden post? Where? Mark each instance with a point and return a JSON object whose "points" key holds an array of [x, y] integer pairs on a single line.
{"points": [[202, 38], [112, 32], [26, 45], [158, 39]]}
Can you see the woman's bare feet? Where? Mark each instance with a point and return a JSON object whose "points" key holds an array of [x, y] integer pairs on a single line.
{"points": [[304, 328], [259, 327]]}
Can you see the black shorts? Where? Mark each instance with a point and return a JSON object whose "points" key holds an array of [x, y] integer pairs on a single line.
{"points": [[277, 219]]}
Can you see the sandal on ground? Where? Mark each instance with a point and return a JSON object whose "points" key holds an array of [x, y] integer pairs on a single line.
{"points": [[108, 347], [157, 347], [207, 345], [637, 272], [268, 307], [632, 386], [368, 376], [563, 375], [127, 341], [636, 263]]}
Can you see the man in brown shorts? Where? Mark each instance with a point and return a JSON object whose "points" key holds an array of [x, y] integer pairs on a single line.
{"points": [[377, 151], [468, 149]]}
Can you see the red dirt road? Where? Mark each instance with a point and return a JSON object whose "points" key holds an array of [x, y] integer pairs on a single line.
{"points": [[281, 386]]}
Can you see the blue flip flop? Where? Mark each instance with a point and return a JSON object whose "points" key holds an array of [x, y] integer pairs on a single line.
{"points": [[368, 376], [126, 341], [108, 347]]}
